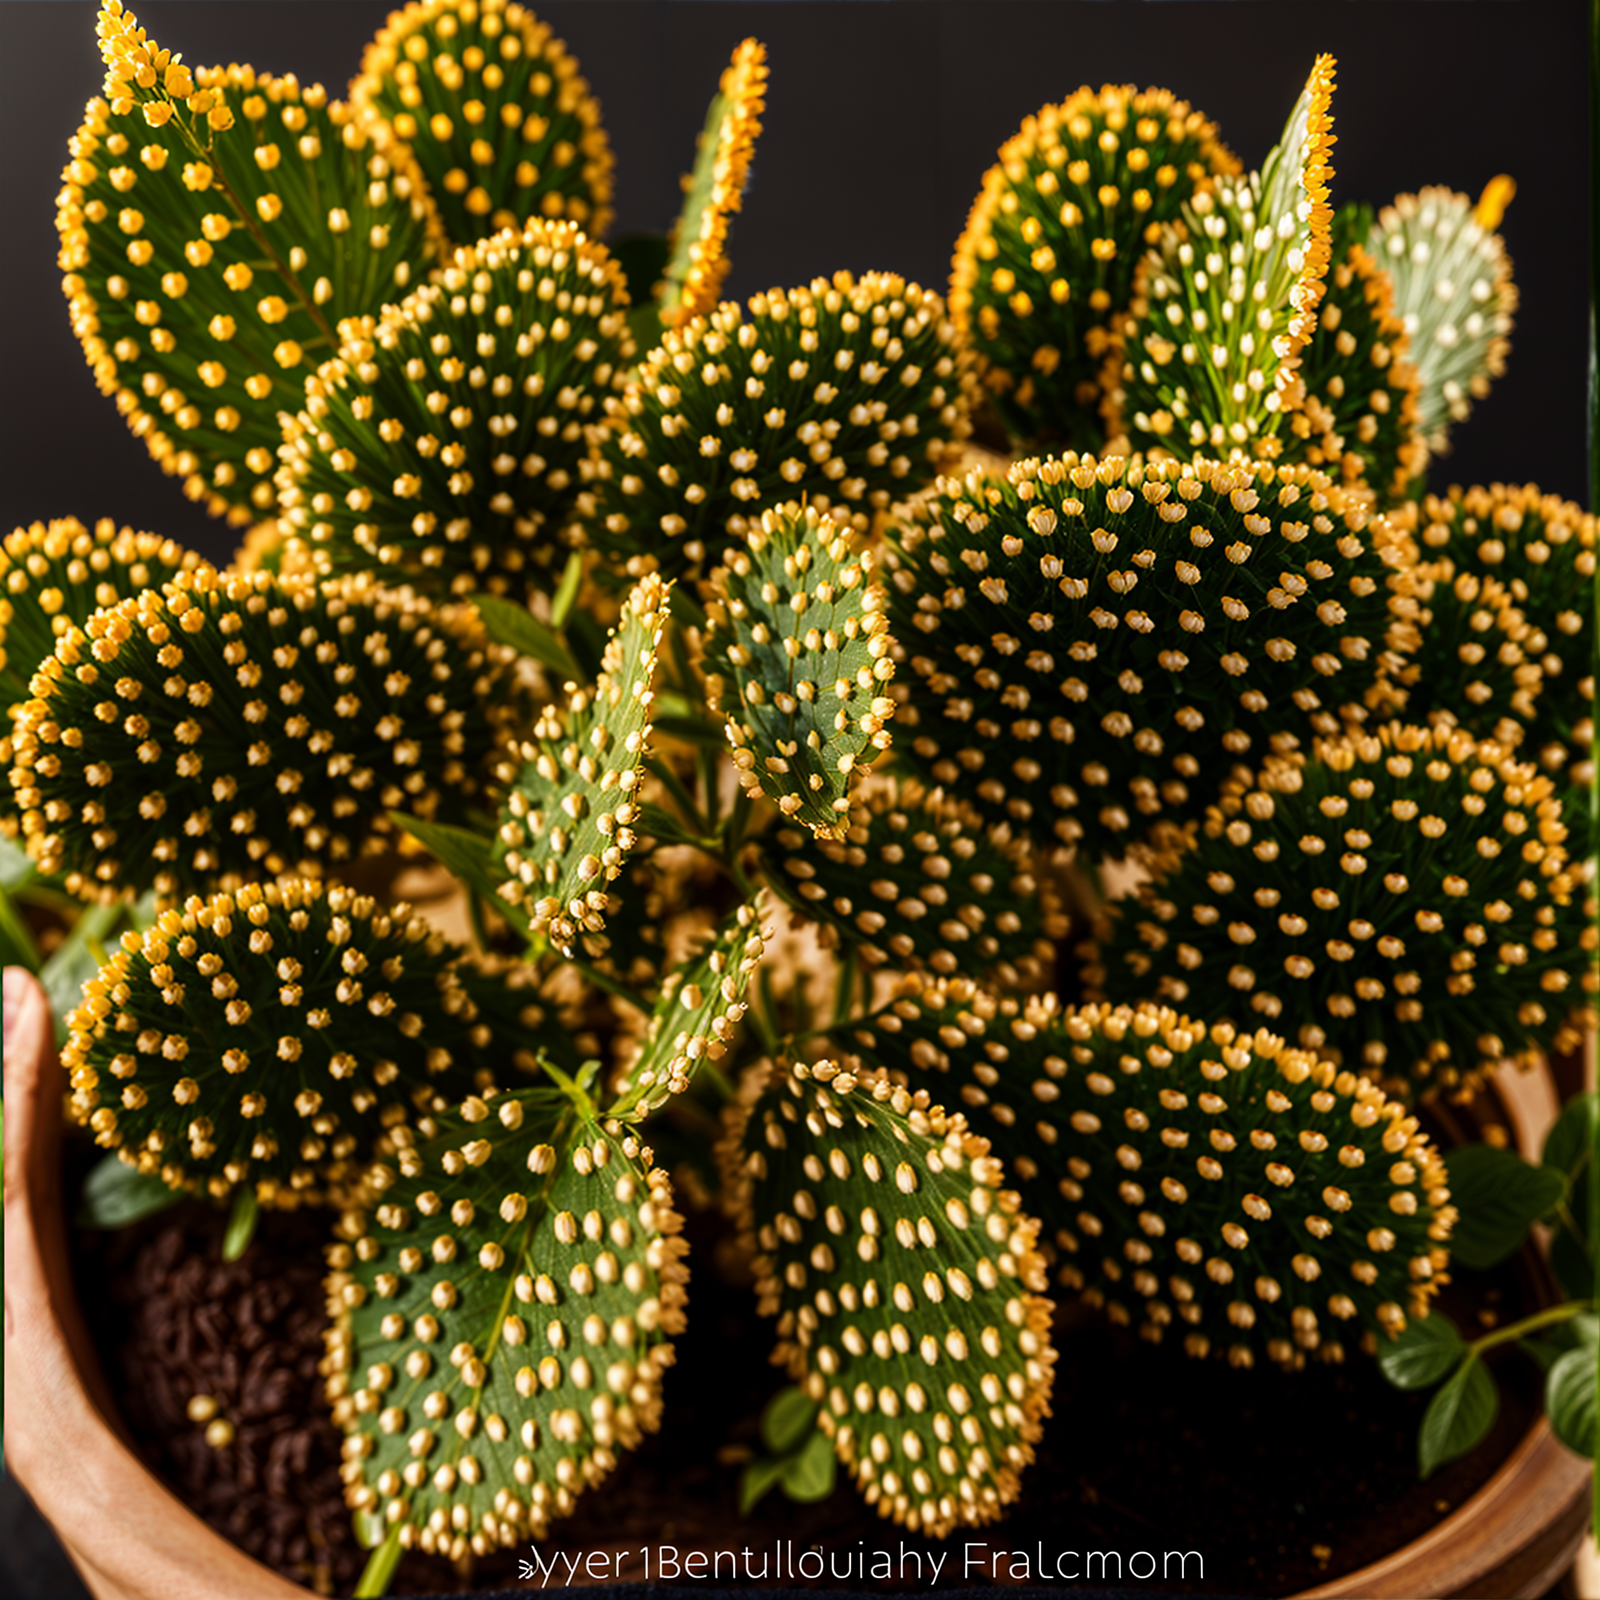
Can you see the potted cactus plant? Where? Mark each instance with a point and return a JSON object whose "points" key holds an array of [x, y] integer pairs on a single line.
{"points": [[1024, 800]]}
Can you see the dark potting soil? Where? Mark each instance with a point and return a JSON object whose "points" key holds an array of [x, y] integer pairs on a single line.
{"points": [[1278, 1481]]}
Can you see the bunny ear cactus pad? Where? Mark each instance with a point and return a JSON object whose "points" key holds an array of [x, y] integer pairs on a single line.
{"points": [[919, 879], [1431, 943], [1086, 638], [1453, 293], [503, 1308], [1212, 1184], [230, 726], [844, 394], [796, 657], [215, 227], [570, 814], [269, 1037], [905, 1283], [1223, 307], [502, 124], [445, 444], [1053, 238]]}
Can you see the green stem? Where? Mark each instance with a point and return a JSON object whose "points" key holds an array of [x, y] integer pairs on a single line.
{"points": [[673, 784], [844, 999], [1550, 1317], [241, 1224], [379, 1571]]}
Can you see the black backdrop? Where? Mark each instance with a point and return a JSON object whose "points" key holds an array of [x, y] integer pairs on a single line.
{"points": [[882, 118]]}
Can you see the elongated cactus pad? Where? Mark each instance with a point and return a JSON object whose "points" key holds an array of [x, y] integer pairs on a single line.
{"points": [[845, 394], [229, 726], [920, 880], [700, 1005], [1202, 1182], [443, 447], [1086, 640], [216, 226], [501, 122], [269, 1036], [1050, 247], [569, 817], [1402, 896], [904, 1280], [796, 657]]}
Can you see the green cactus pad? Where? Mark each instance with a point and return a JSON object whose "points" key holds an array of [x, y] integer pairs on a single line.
{"points": [[1087, 639], [1211, 1184], [445, 443], [701, 1002], [571, 810], [1453, 293], [1405, 893], [215, 228], [269, 1036], [501, 123], [233, 726], [845, 395], [1222, 309], [904, 1281], [920, 880], [796, 655], [502, 1313], [1050, 248]]}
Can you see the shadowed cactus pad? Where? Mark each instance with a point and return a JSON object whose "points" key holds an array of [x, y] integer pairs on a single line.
{"points": [[1401, 896], [503, 1309], [1206, 1184], [502, 124], [268, 1037], [1049, 251], [216, 226], [796, 656], [904, 1282], [444, 445], [844, 394], [1084, 639], [234, 725]]}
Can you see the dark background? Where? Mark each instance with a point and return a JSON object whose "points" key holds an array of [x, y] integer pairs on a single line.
{"points": [[882, 118]]}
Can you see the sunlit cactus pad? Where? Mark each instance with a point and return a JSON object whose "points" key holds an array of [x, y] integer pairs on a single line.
{"points": [[570, 814], [1207, 1184], [1078, 194], [216, 226], [502, 124], [443, 446], [229, 726], [503, 1308], [904, 1280], [919, 879], [845, 394], [1399, 900], [267, 1037], [1087, 641], [797, 659]]}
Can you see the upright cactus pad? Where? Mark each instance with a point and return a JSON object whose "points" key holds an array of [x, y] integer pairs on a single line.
{"points": [[796, 658], [503, 1307], [904, 1280], [227, 726], [1208, 1183]]}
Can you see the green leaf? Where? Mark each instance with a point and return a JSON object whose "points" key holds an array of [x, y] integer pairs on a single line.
{"points": [[1497, 1196], [1573, 1147], [515, 626], [797, 659], [569, 818], [211, 265], [757, 1479], [1574, 1137], [116, 1195], [241, 1224], [1572, 1396], [1458, 1416], [790, 1416], [810, 1475], [468, 856], [1422, 1353], [16, 867], [75, 961], [17, 948]]}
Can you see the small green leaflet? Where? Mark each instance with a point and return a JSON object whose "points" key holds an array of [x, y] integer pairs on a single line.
{"points": [[1497, 1196], [116, 1194], [567, 823], [1458, 1417], [1572, 1390], [1422, 1353], [515, 626], [796, 654]]}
